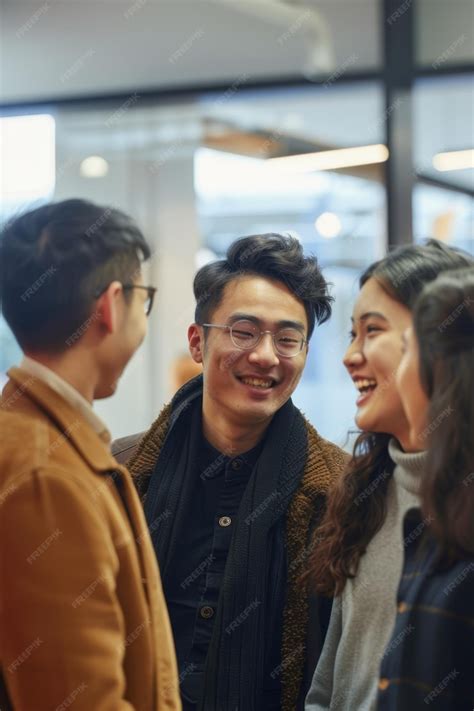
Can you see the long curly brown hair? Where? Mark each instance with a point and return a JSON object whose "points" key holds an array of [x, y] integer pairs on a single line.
{"points": [[356, 507]]}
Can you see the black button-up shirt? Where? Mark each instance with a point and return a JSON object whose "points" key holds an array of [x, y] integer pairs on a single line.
{"points": [[201, 556]]}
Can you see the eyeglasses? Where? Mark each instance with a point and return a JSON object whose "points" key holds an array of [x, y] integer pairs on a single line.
{"points": [[126, 287], [245, 335], [150, 297]]}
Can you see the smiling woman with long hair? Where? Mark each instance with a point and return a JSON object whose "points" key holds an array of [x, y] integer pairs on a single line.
{"points": [[433, 662], [359, 555]]}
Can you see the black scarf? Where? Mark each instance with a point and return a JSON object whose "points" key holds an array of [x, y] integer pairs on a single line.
{"points": [[235, 664]]}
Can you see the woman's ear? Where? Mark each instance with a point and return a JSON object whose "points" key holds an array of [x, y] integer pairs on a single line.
{"points": [[196, 342]]}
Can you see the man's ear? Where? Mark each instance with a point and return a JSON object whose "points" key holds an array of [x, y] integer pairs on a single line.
{"points": [[196, 342], [108, 307]]}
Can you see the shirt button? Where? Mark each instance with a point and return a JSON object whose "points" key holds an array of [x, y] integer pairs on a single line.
{"points": [[402, 607], [236, 464], [225, 521], [206, 612], [384, 684]]}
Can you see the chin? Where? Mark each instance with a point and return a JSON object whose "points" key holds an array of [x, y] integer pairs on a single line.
{"points": [[367, 424], [104, 391]]}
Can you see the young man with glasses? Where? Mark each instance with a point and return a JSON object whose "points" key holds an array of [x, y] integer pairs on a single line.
{"points": [[233, 479], [83, 619]]}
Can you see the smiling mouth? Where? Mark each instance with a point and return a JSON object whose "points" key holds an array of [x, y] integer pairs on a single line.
{"points": [[263, 383], [365, 385]]}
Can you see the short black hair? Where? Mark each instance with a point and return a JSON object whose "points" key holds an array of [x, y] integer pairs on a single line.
{"points": [[274, 256], [55, 259]]}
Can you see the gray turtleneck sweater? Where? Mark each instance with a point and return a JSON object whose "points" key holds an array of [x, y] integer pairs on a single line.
{"points": [[363, 615]]}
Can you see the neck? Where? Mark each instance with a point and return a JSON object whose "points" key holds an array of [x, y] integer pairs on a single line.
{"points": [[407, 444], [401, 431], [76, 371], [231, 438]]}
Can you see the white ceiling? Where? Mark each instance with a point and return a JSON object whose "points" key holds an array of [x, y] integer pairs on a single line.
{"points": [[68, 48]]}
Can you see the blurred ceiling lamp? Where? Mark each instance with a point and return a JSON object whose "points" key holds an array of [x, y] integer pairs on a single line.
{"points": [[328, 225], [332, 160], [454, 160], [94, 167]]}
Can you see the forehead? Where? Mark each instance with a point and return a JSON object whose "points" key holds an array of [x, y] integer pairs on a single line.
{"points": [[373, 298], [265, 299]]}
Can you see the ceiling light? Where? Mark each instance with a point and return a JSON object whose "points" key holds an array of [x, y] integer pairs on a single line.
{"points": [[94, 167], [454, 160], [331, 160], [328, 225]]}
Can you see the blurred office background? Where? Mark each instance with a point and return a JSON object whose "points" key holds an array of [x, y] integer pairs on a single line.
{"points": [[192, 116]]}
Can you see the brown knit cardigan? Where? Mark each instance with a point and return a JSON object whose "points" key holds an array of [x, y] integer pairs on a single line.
{"points": [[324, 464]]}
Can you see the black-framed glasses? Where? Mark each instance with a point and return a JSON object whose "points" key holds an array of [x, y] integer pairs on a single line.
{"points": [[151, 291], [245, 335]]}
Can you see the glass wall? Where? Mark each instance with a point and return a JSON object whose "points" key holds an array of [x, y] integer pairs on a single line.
{"points": [[197, 175]]}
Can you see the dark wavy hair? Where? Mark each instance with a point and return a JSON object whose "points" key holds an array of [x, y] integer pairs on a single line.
{"points": [[444, 327], [274, 256], [356, 507]]}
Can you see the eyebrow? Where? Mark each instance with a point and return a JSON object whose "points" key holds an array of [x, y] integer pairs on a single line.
{"points": [[279, 324], [371, 314]]}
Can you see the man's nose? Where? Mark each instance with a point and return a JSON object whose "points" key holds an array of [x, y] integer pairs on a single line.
{"points": [[264, 352]]}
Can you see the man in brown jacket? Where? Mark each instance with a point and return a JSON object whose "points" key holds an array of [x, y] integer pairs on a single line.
{"points": [[83, 621], [233, 479]]}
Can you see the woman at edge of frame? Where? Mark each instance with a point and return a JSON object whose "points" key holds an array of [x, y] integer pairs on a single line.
{"points": [[360, 541], [430, 656]]}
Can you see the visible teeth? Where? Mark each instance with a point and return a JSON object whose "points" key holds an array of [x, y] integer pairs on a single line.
{"points": [[257, 382], [364, 384]]}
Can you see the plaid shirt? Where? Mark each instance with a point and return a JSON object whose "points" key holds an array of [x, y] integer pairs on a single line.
{"points": [[429, 660]]}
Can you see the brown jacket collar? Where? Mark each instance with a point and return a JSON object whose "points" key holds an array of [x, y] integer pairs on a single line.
{"points": [[63, 416]]}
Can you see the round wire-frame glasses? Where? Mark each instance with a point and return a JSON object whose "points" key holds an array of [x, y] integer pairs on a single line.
{"points": [[245, 335]]}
